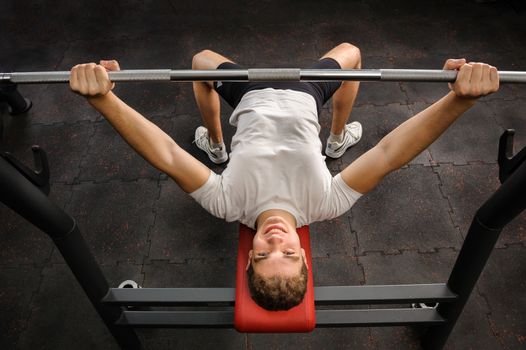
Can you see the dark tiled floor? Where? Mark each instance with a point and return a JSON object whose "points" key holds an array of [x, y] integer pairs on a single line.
{"points": [[141, 226]]}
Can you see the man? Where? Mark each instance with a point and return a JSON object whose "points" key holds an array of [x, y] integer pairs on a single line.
{"points": [[276, 179]]}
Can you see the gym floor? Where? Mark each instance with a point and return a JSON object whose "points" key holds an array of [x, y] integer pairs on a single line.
{"points": [[141, 226]]}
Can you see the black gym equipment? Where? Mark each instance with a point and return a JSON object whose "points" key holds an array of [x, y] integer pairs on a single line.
{"points": [[15, 101]]}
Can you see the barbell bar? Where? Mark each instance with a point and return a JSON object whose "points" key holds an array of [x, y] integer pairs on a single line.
{"points": [[261, 74]]}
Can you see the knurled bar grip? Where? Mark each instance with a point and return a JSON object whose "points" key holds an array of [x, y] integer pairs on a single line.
{"points": [[63, 77], [417, 75], [274, 74], [442, 75], [262, 74]]}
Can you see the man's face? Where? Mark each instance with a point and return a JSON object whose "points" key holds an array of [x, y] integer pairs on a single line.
{"points": [[276, 248]]}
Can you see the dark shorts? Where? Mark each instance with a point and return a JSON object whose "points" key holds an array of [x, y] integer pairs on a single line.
{"points": [[232, 92]]}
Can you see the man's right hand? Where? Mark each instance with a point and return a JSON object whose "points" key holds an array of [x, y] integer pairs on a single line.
{"points": [[91, 80], [474, 79]]}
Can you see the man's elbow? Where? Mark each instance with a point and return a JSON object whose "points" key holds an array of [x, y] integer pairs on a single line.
{"points": [[384, 157], [168, 158]]}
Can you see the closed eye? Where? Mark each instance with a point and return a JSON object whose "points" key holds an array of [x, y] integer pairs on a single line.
{"points": [[291, 256]]}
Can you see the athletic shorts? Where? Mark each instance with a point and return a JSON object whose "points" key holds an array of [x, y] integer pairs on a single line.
{"points": [[232, 92]]}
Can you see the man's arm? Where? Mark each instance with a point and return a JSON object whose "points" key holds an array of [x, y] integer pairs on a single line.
{"points": [[143, 136], [405, 142]]}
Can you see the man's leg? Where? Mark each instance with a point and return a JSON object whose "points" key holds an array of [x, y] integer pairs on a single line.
{"points": [[348, 56], [206, 97]]}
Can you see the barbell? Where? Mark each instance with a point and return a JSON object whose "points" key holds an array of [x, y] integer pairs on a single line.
{"points": [[261, 74]]}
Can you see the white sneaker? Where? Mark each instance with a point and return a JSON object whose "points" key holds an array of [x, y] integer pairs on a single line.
{"points": [[352, 134], [216, 155]]}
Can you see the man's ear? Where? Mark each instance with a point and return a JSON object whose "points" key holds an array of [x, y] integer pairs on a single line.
{"points": [[249, 259], [304, 258]]}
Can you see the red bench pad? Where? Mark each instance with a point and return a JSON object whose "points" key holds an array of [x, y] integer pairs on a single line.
{"points": [[249, 317]]}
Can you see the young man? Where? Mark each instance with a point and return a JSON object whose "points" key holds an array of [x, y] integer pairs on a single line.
{"points": [[277, 179]]}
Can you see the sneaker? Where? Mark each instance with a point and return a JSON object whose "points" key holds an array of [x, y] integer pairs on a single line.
{"points": [[216, 155], [352, 134]]}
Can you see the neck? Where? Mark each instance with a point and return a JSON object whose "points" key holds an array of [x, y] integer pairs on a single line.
{"points": [[288, 217]]}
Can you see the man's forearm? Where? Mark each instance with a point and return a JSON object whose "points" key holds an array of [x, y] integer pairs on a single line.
{"points": [[413, 136], [146, 138]]}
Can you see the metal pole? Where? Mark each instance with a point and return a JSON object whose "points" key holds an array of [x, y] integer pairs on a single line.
{"points": [[24, 198], [16, 102], [264, 74], [504, 205]]}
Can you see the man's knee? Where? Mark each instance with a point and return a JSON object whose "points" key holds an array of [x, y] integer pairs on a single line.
{"points": [[351, 53], [201, 58]]}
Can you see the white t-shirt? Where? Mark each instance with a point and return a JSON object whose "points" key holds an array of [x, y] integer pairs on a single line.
{"points": [[276, 163]]}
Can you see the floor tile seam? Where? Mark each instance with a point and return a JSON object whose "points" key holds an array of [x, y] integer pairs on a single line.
{"points": [[67, 203], [370, 337], [353, 247], [434, 250], [172, 7], [58, 123], [361, 266], [396, 252], [407, 99], [356, 248], [100, 262], [460, 164], [21, 265], [113, 180], [489, 316], [390, 58], [316, 21], [122, 263], [452, 163], [493, 114], [187, 260], [117, 37], [493, 98], [33, 123], [426, 53], [154, 221], [62, 183], [474, 53], [60, 60], [329, 256], [94, 124], [31, 304], [484, 298], [494, 331], [510, 245], [25, 324], [451, 210], [387, 104], [168, 261], [248, 343]]}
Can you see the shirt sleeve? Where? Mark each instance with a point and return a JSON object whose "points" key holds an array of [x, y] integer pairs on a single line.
{"points": [[340, 198], [211, 196]]}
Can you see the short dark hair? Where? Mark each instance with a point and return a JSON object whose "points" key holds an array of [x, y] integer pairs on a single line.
{"points": [[277, 292]]}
